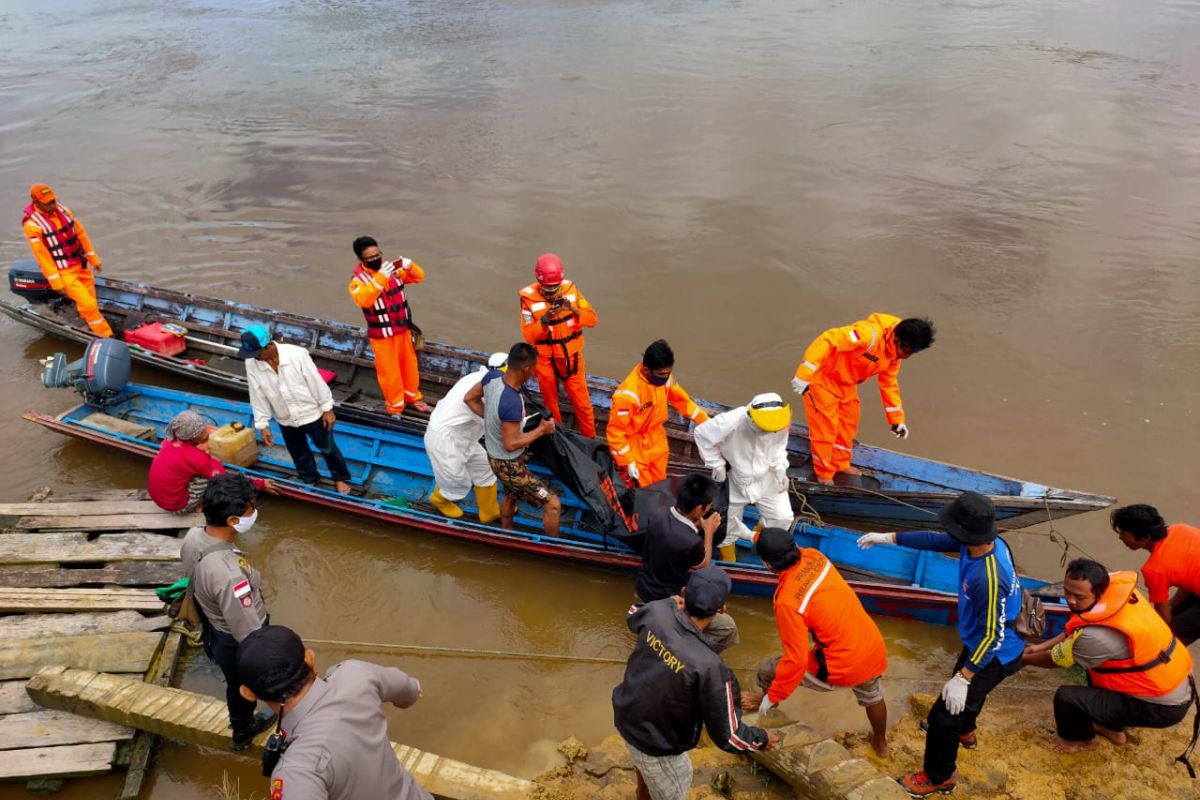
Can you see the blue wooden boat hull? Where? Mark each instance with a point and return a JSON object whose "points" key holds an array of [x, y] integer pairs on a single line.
{"points": [[902, 491], [392, 479]]}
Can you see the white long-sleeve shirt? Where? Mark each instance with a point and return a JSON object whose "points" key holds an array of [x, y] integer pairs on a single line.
{"points": [[295, 396], [756, 459]]}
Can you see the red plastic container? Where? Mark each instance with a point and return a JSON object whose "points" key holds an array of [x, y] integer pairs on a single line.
{"points": [[327, 375], [151, 336]]}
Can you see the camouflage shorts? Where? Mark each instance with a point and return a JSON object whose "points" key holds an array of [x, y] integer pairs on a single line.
{"points": [[519, 482]]}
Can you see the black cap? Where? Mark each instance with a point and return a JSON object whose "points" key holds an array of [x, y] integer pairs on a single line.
{"points": [[706, 591], [777, 548], [970, 519], [270, 661]]}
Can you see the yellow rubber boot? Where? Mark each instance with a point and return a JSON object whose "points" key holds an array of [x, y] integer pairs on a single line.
{"points": [[728, 552], [446, 507], [489, 506]]}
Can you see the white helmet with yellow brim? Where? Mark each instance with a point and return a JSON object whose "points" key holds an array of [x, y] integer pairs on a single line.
{"points": [[769, 413]]}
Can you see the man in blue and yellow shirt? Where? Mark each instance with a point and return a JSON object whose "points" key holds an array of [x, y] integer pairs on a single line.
{"points": [[989, 599]]}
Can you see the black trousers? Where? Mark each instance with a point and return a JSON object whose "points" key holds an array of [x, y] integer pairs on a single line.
{"points": [[1077, 707], [222, 649], [941, 743], [297, 439], [1185, 621]]}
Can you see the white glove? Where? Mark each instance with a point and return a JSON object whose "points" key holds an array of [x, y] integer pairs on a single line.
{"points": [[387, 270], [799, 386], [869, 540], [766, 705], [954, 693], [633, 471], [781, 479], [718, 474], [901, 431]]}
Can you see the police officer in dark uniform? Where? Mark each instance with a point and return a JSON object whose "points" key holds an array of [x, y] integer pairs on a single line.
{"points": [[227, 590], [332, 740]]}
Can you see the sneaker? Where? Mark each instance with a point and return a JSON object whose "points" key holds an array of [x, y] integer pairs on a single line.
{"points": [[918, 785], [244, 735], [967, 741]]}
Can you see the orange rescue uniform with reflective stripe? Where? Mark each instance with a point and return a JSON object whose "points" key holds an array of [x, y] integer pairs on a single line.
{"points": [[833, 366], [636, 431], [848, 649], [395, 356], [1160, 662], [63, 250], [560, 349]]}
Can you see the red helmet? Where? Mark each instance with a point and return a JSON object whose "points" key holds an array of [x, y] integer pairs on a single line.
{"points": [[548, 270]]}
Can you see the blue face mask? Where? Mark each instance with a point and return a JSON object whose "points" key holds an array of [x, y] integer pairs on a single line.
{"points": [[655, 380]]}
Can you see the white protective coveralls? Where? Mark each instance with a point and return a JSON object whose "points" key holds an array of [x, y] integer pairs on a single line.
{"points": [[757, 471], [452, 442]]}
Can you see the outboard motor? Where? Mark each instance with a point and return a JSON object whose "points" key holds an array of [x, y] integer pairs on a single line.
{"points": [[100, 376], [25, 279]]}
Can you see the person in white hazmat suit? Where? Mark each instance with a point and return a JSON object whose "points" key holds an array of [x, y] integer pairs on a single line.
{"points": [[458, 459], [753, 441]]}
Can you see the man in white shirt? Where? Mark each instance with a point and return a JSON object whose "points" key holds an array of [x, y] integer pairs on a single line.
{"points": [[284, 383]]}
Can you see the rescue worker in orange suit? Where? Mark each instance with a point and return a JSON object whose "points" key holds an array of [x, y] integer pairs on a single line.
{"points": [[553, 315], [1139, 673], [64, 252], [828, 378], [378, 289], [636, 431], [848, 649]]}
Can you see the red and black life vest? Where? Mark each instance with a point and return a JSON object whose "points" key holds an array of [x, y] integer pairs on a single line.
{"points": [[389, 315], [58, 233]]}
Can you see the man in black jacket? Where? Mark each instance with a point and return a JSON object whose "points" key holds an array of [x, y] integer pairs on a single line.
{"points": [[675, 685]]}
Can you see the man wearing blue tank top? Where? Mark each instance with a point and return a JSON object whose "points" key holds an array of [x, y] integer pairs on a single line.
{"points": [[989, 599]]}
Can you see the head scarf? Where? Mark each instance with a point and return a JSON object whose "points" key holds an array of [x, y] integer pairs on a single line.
{"points": [[187, 426]]}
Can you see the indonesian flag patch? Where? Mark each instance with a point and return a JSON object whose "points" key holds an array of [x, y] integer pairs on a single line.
{"points": [[241, 590], [277, 789]]}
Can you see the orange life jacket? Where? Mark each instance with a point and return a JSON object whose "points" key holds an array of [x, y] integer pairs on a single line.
{"points": [[1160, 662], [561, 339], [58, 234], [388, 316]]}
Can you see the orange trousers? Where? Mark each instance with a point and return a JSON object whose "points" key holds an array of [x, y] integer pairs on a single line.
{"points": [[577, 392], [832, 410], [396, 367], [80, 286]]}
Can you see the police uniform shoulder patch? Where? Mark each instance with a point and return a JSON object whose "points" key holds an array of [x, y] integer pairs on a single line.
{"points": [[243, 563], [277, 789]]}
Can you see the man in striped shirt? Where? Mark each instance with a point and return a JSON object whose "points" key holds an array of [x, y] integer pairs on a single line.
{"points": [[989, 599]]}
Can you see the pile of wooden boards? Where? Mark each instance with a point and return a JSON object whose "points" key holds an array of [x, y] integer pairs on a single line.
{"points": [[77, 578]]}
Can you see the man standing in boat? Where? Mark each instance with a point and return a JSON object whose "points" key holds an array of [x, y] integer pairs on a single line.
{"points": [[498, 400], [227, 590], [989, 600], [636, 431], [284, 383], [64, 252], [378, 289], [828, 378], [553, 315], [452, 443]]}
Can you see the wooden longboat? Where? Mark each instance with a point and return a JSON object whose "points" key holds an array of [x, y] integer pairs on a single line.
{"points": [[392, 480], [897, 490]]}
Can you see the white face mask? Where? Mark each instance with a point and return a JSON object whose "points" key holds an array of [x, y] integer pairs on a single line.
{"points": [[244, 524]]}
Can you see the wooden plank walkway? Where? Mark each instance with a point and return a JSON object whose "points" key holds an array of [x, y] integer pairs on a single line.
{"points": [[77, 582], [203, 720]]}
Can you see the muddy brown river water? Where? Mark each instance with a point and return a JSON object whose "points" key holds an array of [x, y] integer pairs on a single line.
{"points": [[734, 176]]}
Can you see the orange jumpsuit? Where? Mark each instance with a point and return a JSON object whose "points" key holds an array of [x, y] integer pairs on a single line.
{"points": [[66, 266], [395, 356], [848, 649], [558, 336], [636, 423], [834, 365]]}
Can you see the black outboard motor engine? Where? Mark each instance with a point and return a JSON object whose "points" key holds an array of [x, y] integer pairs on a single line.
{"points": [[25, 279], [100, 376]]}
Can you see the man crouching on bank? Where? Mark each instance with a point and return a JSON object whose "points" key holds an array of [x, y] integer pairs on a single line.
{"points": [[674, 685]]}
